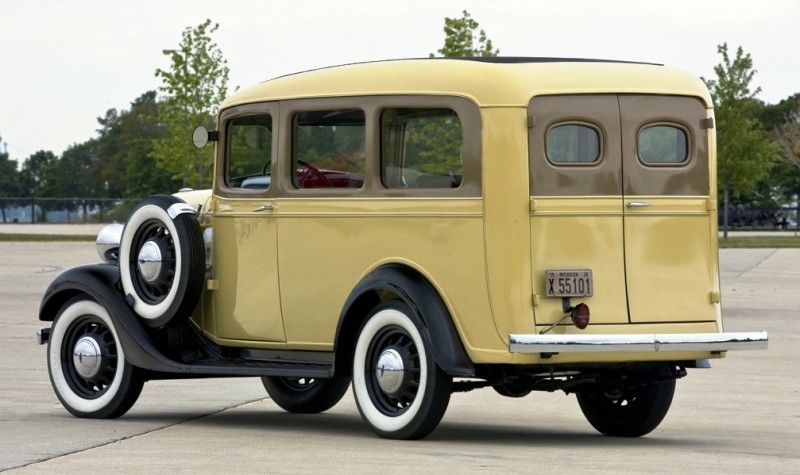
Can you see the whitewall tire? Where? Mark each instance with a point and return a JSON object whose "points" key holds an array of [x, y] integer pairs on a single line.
{"points": [[399, 389], [162, 260], [87, 364]]}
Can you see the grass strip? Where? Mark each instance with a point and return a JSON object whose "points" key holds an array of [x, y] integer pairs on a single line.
{"points": [[756, 242], [22, 237]]}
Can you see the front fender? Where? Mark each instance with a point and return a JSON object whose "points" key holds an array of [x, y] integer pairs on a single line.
{"points": [[101, 283]]}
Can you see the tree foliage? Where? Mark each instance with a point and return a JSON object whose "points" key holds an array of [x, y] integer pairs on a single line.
{"points": [[745, 152], [195, 84], [463, 39], [9, 181], [788, 138], [127, 140], [37, 174]]}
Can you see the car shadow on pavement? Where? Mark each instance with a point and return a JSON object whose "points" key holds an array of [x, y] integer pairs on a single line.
{"points": [[350, 424]]}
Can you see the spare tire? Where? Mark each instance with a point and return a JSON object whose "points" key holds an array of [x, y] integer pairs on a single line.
{"points": [[162, 260]]}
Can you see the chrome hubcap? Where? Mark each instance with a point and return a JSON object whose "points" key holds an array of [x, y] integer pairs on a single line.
{"points": [[390, 371], [149, 261], [86, 357]]}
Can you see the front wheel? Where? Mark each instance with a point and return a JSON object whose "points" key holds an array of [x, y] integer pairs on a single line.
{"points": [[87, 365], [305, 395], [399, 389], [631, 411]]}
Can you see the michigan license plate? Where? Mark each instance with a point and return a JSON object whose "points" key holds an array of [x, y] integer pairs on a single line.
{"points": [[568, 282]]}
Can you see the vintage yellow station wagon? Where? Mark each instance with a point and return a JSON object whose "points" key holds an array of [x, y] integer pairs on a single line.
{"points": [[417, 228]]}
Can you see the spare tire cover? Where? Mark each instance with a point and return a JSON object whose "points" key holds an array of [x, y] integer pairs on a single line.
{"points": [[162, 260]]}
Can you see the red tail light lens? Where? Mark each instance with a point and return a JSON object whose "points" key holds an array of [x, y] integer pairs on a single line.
{"points": [[580, 315]]}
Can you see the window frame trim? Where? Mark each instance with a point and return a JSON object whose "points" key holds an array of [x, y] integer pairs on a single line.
{"points": [[601, 155], [676, 125]]}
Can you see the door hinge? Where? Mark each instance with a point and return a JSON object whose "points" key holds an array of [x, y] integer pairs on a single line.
{"points": [[714, 297], [212, 284], [711, 205], [707, 123], [533, 206], [535, 300]]}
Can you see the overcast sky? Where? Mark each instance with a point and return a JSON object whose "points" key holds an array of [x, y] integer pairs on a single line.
{"points": [[65, 63]]}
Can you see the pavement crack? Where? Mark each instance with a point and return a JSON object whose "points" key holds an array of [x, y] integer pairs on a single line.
{"points": [[761, 261], [132, 436]]}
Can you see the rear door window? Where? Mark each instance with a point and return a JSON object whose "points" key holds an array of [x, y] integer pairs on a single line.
{"points": [[328, 149], [421, 148], [663, 144], [573, 144]]}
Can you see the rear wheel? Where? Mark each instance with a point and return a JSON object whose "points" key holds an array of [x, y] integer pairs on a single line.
{"points": [[628, 411], [87, 365], [305, 395], [400, 390]]}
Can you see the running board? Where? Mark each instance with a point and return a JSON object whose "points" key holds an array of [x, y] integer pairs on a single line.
{"points": [[714, 342]]}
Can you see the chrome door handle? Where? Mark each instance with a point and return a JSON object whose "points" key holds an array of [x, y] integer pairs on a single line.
{"points": [[636, 204], [263, 208]]}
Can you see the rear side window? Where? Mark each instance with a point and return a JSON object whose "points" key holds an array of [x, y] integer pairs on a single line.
{"points": [[421, 148], [573, 144], [663, 145], [328, 149], [249, 152]]}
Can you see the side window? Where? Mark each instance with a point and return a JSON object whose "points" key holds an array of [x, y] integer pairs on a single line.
{"points": [[573, 144], [249, 152], [328, 149], [421, 148], [663, 145]]}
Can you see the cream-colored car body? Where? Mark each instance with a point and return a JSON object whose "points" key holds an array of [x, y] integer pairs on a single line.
{"points": [[284, 260]]}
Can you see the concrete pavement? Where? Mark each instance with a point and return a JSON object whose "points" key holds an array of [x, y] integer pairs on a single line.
{"points": [[742, 416]]}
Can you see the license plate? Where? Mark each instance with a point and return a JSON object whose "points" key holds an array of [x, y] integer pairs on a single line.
{"points": [[568, 282]]}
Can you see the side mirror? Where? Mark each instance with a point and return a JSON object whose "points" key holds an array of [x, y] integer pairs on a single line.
{"points": [[201, 136]]}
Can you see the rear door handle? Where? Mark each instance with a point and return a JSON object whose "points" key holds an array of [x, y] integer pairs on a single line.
{"points": [[258, 209], [636, 204]]}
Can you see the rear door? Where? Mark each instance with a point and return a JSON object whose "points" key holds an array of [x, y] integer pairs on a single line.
{"points": [[576, 202], [620, 187], [669, 254]]}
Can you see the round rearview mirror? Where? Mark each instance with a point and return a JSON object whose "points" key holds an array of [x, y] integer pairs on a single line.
{"points": [[200, 136]]}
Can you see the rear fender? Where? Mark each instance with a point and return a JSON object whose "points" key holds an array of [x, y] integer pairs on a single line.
{"points": [[407, 285]]}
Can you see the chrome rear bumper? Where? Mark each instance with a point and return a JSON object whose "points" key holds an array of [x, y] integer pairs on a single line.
{"points": [[548, 343]]}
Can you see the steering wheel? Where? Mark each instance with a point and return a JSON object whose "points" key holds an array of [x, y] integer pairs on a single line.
{"points": [[306, 176]]}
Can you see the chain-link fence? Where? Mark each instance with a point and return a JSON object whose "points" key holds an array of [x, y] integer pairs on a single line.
{"points": [[65, 210]]}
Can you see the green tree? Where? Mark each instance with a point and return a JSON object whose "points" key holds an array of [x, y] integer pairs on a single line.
{"points": [[195, 84], [36, 173], [126, 142], [745, 152], [788, 137], [463, 39], [9, 181]]}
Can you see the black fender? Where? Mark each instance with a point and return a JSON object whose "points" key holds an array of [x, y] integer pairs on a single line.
{"points": [[101, 283], [404, 283]]}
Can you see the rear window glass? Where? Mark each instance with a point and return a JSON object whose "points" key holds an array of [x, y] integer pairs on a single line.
{"points": [[663, 144], [421, 148], [573, 144]]}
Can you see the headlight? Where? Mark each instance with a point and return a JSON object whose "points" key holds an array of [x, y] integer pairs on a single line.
{"points": [[108, 240]]}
